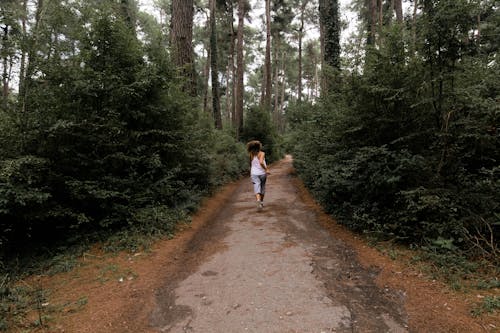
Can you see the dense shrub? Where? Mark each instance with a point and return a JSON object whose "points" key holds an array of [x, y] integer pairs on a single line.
{"points": [[395, 155], [106, 146], [258, 126]]}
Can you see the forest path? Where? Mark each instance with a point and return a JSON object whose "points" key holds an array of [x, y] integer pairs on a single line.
{"points": [[287, 268], [276, 270]]}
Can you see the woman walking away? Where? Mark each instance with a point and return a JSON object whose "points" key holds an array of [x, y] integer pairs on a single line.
{"points": [[258, 170]]}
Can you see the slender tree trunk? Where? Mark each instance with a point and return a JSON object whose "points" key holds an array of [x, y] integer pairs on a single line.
{"points": [[316, 80], [323, 17], [231, 102], [30, 45], [283, 90], [380, 7], [30, 66], [182, 42], [330, 18], [128, 14], [414, 27], [263, 86], [50, 49], [5, 60], [22, 66], [214, 67], [391, 10], [398, 8], [5, 81], [240, 69], [276, 79], [478, 29], [301, 32], [372, 9], [267, 66], [228, 93], [206, 74]]}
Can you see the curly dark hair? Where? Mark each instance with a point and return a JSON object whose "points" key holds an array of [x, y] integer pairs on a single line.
{"points": [[253, 147]]}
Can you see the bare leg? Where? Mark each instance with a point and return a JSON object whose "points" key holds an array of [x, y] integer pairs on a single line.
{"points": [[262, 197], [258, 196]]}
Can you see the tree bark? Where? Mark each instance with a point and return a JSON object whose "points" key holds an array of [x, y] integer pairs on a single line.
{"points": [[372, 22], [398, 8], [283, 91], [329, 15], [206, 73], [301, 32], [478, 29], [30, 65], [214, 67], [22, 66], [231, 70], [276, 79], [128, 14], [266, 100], [240, 69], [323, 6], [182, 42], [380, 7], [5, 60], [414, 27]]}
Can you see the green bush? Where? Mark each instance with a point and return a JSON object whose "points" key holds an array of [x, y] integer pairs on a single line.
{"points": [[389, 156], [109, 145], [258, 126]]}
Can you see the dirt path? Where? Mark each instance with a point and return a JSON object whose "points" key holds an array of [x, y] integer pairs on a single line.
{"points": [[279, 272], [284, 269]]}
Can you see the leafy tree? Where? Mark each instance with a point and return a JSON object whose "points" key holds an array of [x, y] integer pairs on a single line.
{"points": [[259, 126], [109, 141], [408, 148]]}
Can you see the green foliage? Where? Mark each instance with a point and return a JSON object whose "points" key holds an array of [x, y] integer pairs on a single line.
{"points": [[228, 157], [102, 145], [16, 301], [488, 284], [108, 144], [408, 149], [490, 304], [258, 126]]}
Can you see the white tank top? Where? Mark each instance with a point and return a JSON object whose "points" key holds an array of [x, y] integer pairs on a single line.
{"points": [[257, 168]]}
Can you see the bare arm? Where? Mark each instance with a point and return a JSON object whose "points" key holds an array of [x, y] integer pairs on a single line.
{"points": [[262, 161]]}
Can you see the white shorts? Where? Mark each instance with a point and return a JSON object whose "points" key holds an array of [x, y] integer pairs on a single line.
{"points": [[259, 183]]}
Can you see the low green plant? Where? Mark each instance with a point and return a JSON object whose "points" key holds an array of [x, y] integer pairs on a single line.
{"points": [[258, 126], [16, 301], [487, 284], [450, 266], [490, 304], [82, 301], [107, 273]]}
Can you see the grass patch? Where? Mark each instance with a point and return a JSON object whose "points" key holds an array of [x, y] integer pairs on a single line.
{"points": [[490, 304], [451, 266], [23, 306], [113, 272]]}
